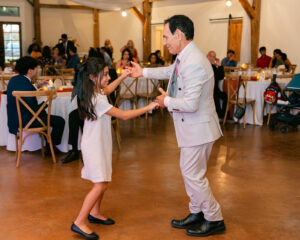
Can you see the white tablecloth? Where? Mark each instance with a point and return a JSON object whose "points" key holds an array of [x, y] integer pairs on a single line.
{"points": [[61, 106], [255, 90]]}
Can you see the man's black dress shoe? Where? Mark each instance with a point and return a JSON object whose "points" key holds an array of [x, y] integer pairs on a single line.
{"points": [[72, 156], [97, 220], [190, 220], [207, 228], [91, 236]]}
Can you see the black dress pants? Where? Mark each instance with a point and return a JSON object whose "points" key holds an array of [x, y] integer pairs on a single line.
{"points": [[74, 123], [218, 95]]}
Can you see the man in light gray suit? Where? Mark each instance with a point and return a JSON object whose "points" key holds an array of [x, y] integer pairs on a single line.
{"points": [[190, 100]]}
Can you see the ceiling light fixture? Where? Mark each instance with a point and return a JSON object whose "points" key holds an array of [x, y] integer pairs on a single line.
{"points": [[124, 13], [228, 3]]}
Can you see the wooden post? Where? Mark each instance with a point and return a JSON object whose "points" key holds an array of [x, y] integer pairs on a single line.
{"points": [[255, 31], [37, 21], [147, 9], [254, 14], [96, 28]]}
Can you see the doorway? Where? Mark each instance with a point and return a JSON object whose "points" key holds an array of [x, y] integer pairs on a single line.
{"points": [[235, 28]]}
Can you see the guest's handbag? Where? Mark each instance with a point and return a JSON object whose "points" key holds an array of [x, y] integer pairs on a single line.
{"points": [[240, 108]]}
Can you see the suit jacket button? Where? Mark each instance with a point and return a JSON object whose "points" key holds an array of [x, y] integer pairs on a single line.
{"points": [[182, 120], [179, 89]]}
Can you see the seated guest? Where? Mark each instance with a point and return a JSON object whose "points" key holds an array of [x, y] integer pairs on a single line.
{"points": [[30, 48], [134, 53], [65, 45], [264, 60], [160, 59], [229, 60], [36, 51], [125, 59], [46, 58], [107, 58], [218, 75], [153, 60], [58, 56], [27, 69], [277, 59], [286, 61], [108, 48], [74, 59]]}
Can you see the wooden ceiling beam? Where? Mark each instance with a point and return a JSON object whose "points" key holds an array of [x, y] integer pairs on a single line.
{"points": [[30, 2], [138, 14], [248, 8], [64, 6]]}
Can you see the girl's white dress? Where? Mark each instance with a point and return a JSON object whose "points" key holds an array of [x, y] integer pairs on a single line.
{"points": [[96, 143]]}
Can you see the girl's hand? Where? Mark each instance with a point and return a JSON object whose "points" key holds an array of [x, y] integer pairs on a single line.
{"points": [[153, 106], [126, 73]]}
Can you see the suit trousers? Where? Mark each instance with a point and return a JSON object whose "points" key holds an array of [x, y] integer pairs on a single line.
{"points": [[193, 165], [74, 123]]}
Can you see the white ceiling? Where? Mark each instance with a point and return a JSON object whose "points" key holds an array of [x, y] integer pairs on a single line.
{"points": [[125, 4]]}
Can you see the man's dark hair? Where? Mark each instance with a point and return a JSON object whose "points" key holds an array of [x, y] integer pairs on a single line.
{"points": [[230, 51], [64, 36], [73, 49], [262, 49], [24, 64], [183, 23]]}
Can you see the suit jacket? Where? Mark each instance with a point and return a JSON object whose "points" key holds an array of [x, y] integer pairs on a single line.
{"points": [[194, 113], [64, 50], [21, 83]]}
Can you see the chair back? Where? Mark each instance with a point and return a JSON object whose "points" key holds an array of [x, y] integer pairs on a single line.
{"points": [[233, 90], [51, 69], [127, 89], [35, 115], [147, 87], [293, 68], [4, 82]]}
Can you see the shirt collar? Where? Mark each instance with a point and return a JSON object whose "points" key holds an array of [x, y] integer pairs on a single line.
{"points": [[181, 54], [27, 78]]}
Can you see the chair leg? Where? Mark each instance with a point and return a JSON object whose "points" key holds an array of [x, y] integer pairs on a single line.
{"points": [[226, 112], [269, 115], [117, 130], [263, 111], [253, 109], [51, 148], [147, 102], [244, 121], [17, 147], [42, 145], [19, 151]]}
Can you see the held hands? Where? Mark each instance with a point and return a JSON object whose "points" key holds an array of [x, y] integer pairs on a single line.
{"points": [[160, 99], [126, 73], [152, 106], [136, 70]]}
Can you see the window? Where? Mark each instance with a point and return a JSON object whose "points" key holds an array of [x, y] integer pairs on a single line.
{"points": [[9, 11], [10, 41]]}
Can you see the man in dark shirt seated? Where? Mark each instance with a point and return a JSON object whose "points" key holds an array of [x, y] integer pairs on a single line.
{"points": [[74, 59], [219, 75], [264, 60], [229, 60], [27, 69]]}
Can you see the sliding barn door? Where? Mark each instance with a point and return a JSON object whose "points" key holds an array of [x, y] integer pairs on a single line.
{"points": [[235, 28]]}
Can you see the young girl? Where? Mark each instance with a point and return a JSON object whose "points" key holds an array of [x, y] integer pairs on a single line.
{"points": [[96, 143]]}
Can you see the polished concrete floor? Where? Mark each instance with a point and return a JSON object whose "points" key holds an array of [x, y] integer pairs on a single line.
{"points": [[254, 174]]}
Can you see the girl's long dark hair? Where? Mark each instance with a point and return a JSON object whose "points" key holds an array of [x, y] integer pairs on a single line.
{"points": [[92, 66]]}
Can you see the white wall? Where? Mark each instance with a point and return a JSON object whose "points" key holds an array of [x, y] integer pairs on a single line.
{"points": [[26, 19], [280, 28]]}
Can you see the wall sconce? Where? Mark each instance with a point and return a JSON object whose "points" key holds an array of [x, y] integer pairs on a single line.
{"points": [[124, 13], [228, 3]]}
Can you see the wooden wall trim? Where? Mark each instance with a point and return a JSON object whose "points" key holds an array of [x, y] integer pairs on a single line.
{"points": [[64, 6]]}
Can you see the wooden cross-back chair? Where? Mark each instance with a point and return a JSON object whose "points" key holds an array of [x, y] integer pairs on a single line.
{"points": [[4, 81], [232, 92], [44, 130], [67, 75], [149, 91], [283, 76], [127, 91], [115, 123], [48, 69]]}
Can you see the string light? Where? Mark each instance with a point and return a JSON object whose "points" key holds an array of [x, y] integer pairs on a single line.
{"points": [[228, 3], [124, 13]]}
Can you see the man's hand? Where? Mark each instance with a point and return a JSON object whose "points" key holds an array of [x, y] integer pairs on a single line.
{"points": [[42, 82], [136, 70], [160, 99]]}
